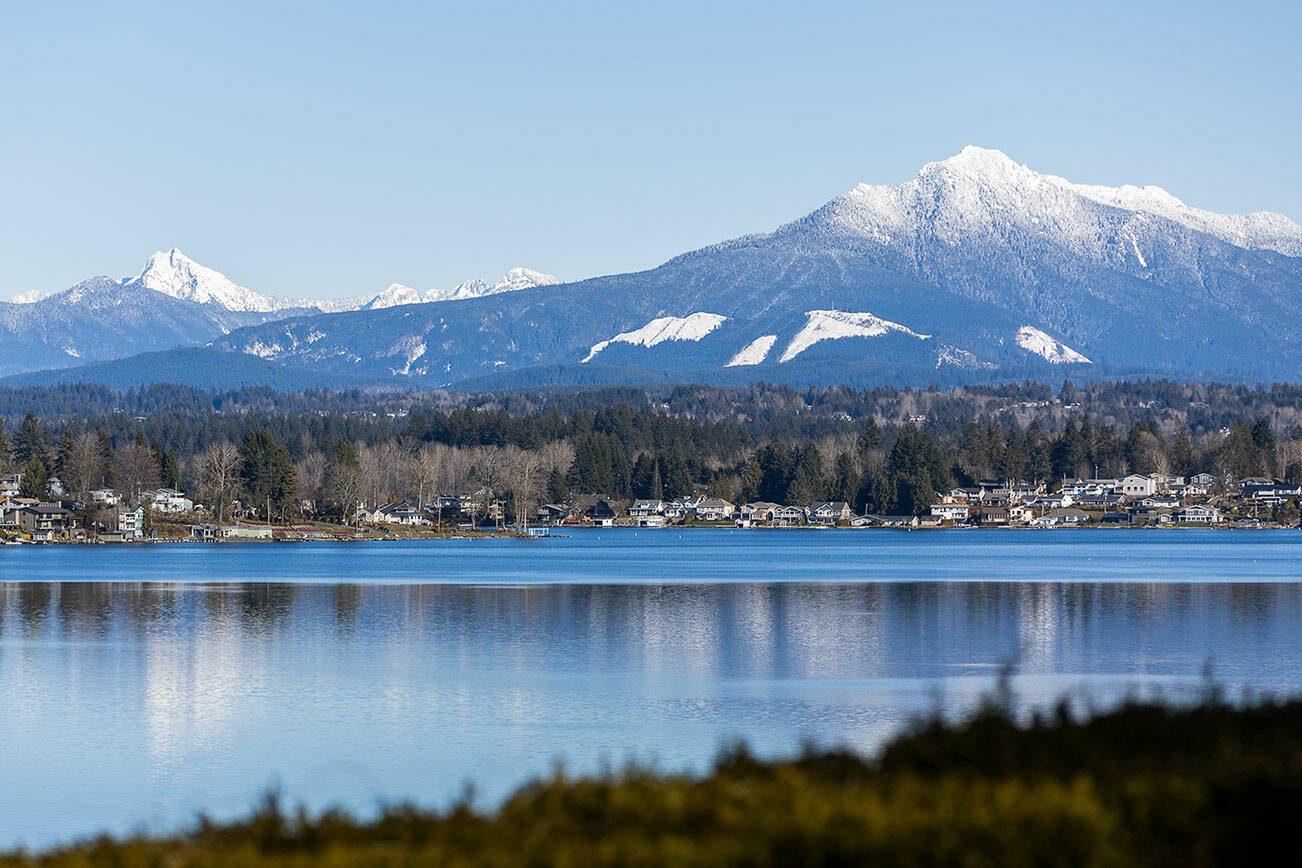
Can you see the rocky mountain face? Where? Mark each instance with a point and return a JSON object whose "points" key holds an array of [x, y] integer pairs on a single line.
{"points": [[978, 268]]}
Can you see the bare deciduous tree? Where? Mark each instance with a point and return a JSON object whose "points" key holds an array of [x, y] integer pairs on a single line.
{"points": [[219, 476], [135, 470]]}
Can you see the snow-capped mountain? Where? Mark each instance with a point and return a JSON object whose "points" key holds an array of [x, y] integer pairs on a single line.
{"points": [[977, 268], [516, 279], [174, 301], [173, 273]]}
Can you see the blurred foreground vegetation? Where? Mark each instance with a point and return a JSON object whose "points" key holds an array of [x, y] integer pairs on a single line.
{"points": [[1144, 784]]}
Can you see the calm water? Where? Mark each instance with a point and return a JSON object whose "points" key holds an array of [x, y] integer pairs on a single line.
{"points": [[139, 685]]}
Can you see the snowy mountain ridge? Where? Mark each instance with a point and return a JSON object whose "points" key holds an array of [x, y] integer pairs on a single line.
{"points": [[977, 268]]}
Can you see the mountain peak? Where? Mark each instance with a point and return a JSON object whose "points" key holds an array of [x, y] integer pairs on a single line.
{"points": [[173, 273]]}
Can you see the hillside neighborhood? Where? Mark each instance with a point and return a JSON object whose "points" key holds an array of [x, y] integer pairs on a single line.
{"points": [[105, 515]]}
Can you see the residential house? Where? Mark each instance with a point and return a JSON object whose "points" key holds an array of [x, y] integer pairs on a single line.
{"points": [[644, 508], [168, 501], [128, 523], [9, 485], [992, 516], [1161, 502], [955, 512], [1206, 480], [601, 513], [896, 521], [714, 509], [45, 521], [1199, 514], [830, 512], [759, 512], [789, 516], [1139, 485], [1269, 492], [105, 497], [553, 513], [239, 531]]}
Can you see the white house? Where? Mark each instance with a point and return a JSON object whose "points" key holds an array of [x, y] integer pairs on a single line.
{"points": [[956, 512], [169, 500], [714, 509], [1138, 485], [105, 497], [644, 508], [9, 485], [1199, 515], [830, 512], [130, 523]]}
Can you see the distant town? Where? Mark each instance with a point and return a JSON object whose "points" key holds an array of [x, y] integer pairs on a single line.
{"points": [[172, 463], [1137, 500]]}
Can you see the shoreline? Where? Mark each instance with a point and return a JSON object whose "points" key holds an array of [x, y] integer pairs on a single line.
{"points": [[560, 532]]}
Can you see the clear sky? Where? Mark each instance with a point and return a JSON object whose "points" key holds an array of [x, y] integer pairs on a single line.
{"points": [[332, 149]]}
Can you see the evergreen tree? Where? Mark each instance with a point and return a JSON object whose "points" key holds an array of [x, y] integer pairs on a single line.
{"points": [[267, 470], [36, 481], [775, 467], [677, 478], [845, 479], [871, 436], [557, 489], [30, 443], [6, 450], [65, 457]]}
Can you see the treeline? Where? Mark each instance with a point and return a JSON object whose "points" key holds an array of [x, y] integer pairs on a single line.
{"points": [[781, 445], [1141, 785]]}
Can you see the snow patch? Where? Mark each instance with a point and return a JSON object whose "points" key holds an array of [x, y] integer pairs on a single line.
{"points": [[666, 328], [830, 325], [957, 357], [31, 297], [1051, 350], [754, 352], [1134, 245], [263, 351]]}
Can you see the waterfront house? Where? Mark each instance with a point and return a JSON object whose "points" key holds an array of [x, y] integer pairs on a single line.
{"points": [[714, 509], [128, 523], [759, 512], [203, 532], [601, 512], [994, 516], [1199, 514], [239, 531], [553, 513], [955, 512], [789, 516], [644, 508], [898, 521], [830, 512], [45, 521]]}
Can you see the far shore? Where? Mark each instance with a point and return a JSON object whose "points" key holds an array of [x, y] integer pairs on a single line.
{"points": [[298, 535]]}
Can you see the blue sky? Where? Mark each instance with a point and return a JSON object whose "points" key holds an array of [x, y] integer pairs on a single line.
{"points": [[336, 148]]}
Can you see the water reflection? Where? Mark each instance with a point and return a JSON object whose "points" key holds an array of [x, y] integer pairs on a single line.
{"points": [[123, 703]]}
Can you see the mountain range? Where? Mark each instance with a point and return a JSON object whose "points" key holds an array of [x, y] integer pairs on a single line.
{"points": [[976, 269]]}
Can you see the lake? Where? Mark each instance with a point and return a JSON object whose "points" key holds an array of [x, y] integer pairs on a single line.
{"points": [[140, 685]]}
